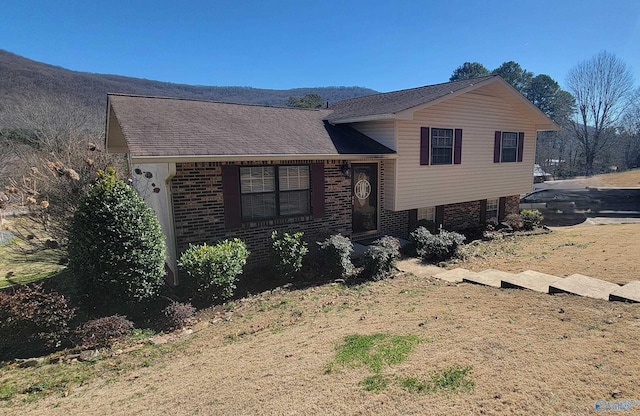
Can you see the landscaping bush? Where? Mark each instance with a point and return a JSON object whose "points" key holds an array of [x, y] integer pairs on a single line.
{"points": [[335, 256], [116, 246], [288, 252], [103, 332], [33, 321], [531, 218], [428, 224], [178, 315], [514, 221], [438, 247], [215, 269], [380, 259]]}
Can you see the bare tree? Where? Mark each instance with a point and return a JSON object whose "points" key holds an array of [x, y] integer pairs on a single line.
{"points": [[629, 133], [600, 86], [55, 146]]}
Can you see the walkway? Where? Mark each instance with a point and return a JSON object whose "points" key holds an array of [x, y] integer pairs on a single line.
{"points": [[576, 284]]}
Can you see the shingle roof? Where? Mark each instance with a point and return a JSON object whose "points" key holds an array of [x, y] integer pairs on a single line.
{"points": [[396, 101], [154, 126]]}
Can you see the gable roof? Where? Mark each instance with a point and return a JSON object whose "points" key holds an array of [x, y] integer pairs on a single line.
{"points": [[401, 104], [393, 102], [154, 128]]}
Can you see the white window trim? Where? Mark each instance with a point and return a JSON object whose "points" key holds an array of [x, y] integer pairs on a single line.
{"points": [[502, 146], [453, 145], [491, 203]]}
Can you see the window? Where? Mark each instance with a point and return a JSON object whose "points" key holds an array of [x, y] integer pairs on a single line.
{"points": [[294, 190], [492, 210], [441, 146], [509, 147], [428, 213], [271, 192]]}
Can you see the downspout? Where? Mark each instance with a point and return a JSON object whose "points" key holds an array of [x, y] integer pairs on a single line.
{"points": [[172, 263]]}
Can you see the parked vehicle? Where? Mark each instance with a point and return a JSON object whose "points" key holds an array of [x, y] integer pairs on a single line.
{"points": [[551, 200], [578, 203], [539, 175]]}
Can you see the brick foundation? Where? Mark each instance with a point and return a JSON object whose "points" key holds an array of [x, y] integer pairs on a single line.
{"points": [[512, 205], [467, 214], [461, 216]]}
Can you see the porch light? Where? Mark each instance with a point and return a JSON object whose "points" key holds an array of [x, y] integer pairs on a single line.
{"points": [[346, 170]]}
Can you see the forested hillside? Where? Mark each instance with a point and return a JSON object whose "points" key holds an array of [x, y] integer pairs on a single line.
{"points": [[20, 77]]}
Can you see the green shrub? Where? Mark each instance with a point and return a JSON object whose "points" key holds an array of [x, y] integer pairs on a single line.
{"points": [[531, 218], [33, 321], [514, 221], [428, 224], [288, 252], [215, 269], [178, 315], [438, 247], [335, 256], [103, 332], [380, 259], [116, 246]]}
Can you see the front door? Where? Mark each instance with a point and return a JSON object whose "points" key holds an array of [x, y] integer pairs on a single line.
{"points": [[364, 185]]}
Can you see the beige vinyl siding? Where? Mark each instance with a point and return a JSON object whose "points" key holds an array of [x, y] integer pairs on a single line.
{"points": [[388, 183], [381, 131], [477, 177]]}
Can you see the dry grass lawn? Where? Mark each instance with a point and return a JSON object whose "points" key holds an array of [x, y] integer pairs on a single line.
{"points": [[530, 353], [630, 178], [607, 252]]}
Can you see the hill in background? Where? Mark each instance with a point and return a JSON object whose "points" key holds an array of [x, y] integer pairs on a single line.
{"points": [[21, 77]]}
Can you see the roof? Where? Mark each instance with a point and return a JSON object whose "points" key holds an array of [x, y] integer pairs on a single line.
{"points": [[156, 127], [394, 102], [402, 104]]}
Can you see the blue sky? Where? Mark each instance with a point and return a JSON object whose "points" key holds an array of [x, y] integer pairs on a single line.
{"points": [[383, 45]]}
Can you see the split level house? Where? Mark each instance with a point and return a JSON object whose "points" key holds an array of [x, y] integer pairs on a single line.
{"points": [[458, 153]]}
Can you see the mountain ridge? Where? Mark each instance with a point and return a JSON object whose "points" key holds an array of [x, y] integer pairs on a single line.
{"points": [[22, 77]]}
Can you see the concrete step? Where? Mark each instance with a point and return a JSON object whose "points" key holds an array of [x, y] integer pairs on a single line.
{"points": [[489, 277], [455, 275], [627, 293], [578, 284], [531, 280]]}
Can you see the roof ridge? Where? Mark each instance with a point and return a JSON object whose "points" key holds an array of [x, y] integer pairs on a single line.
{"points": [[201, 100]]}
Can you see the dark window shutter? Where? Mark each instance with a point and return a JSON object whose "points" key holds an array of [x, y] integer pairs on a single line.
{"points": [[231, 196], [502, 206], [317, 190], [424, 145], [413, 219], [457, 147], [439, 216], [520, 146], [483, 211], [497, 140]]}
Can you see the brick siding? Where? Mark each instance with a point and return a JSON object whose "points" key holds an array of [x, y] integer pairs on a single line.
{"points": [[512, 205], [198, 209], [395, 223], [467, 214], [461, 216]]}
